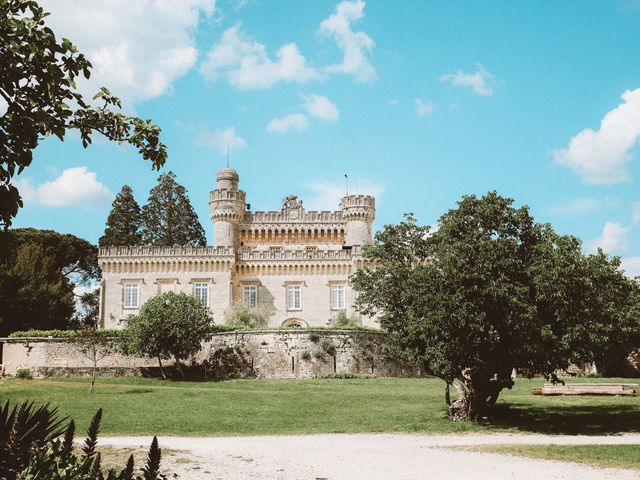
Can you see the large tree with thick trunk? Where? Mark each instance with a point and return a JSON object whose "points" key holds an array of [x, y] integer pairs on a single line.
{"points": [[490, 291]]}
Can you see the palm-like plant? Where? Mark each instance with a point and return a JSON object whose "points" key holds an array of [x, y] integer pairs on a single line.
{"points": [[33, 447]]}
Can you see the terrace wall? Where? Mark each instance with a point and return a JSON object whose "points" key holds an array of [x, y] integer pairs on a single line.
{"points": [[261, 354]]}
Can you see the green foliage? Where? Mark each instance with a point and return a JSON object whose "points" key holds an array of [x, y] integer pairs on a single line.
{"points": [[31, 448], [168, 218], [490, 291], [242, 315], [319, 355], [305, 355], [38, 272], [24, 374], [169, 325], [93, 345], [342, 320], [38, 84], [328, 347], [106, 333], [124, 223], [314, 337]]}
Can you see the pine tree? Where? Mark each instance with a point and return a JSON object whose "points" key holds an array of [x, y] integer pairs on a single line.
{"points": [[124, 222], [168, 218]]}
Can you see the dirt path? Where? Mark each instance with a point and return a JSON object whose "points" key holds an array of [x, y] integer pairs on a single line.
{"points": [[372, 456]]}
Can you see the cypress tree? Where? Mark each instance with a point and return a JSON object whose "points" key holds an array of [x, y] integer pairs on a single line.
{"points": [[168, 218], [124, 222]]}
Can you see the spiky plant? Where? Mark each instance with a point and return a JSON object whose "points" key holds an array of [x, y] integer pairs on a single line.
{"points": [[33, 447]]}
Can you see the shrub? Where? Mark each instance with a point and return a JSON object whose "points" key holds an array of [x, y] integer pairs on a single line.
{"points": [[36, 448], [328, 347], [24, 374], [342, 320], [318, 355], [305, 355], [314, 337], [242, 315]]}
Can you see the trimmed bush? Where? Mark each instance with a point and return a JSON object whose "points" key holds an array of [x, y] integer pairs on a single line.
{"points": [[242, 315], [24, 374], [314, 337], [306, 356]]}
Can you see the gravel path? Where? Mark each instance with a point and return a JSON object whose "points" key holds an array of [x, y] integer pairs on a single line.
{"points": [[372, 456]]}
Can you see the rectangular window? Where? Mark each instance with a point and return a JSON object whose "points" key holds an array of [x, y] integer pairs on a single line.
{"points": [[201, 292], [338, 297], [131, 295], [294, 297], [250, 295]]}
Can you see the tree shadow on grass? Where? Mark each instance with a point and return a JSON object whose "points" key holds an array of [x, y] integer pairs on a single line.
{"points": [[568, 419]]}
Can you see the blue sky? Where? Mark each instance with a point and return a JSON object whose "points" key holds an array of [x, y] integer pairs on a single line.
{"points": [[420, 102]]}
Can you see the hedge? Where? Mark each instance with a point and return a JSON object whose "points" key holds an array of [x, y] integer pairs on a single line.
{"points": [[216, 328]]}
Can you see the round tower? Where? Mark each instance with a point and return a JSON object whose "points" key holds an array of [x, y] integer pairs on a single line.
{"points": [[227, 205], [359, 212]]}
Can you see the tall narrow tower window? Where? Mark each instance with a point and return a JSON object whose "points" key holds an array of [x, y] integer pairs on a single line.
{"points": [[131, 295], [201, 292], [338, 297], [294, 297], [250, 295]]}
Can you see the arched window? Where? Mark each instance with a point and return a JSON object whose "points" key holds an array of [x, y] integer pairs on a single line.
{"points": [[294, 323]]}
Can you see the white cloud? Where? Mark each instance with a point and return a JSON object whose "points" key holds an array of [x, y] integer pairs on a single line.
{"points": [[321, 107], [75, 187], [246, 64], [601, 156], [424, 108], [635, 212], [631, 266], [221, 139], [614, 239], [355, 46], [295, 121], [327, 195], [576, 206], [481, 81], [138, 49]]}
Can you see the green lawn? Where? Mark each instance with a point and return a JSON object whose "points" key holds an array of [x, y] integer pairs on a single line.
{"points": [[619, 456], [254, 407]]}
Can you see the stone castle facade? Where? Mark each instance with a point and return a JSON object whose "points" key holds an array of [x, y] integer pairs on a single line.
{"points": [[293, 262]]}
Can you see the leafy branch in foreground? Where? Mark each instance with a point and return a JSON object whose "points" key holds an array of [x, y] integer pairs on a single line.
{"points": [[39, 96]]}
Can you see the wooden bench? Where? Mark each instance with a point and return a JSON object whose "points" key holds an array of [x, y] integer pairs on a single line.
{"points": [[587, 389]]}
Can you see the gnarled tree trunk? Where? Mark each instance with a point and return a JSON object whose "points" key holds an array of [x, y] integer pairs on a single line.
{"points": [[476, 397]]}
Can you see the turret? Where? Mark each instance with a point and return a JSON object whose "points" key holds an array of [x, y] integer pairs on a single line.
{"points": [[227, 205], [358, 211]]}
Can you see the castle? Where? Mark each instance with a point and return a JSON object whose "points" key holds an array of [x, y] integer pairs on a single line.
{"points": [[296, 263]]}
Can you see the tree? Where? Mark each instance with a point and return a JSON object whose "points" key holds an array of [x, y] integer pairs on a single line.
{"points": [[124, 222], [168, 217], [490, 291], [39, 270], [94, 345], [169, 325], [38, 75]]}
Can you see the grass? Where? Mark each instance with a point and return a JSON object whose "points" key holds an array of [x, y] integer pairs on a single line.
{"points": [[618, 456], [137, 406]]}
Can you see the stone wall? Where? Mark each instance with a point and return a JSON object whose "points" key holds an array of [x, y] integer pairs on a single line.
{"points": [[261, 354]]}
